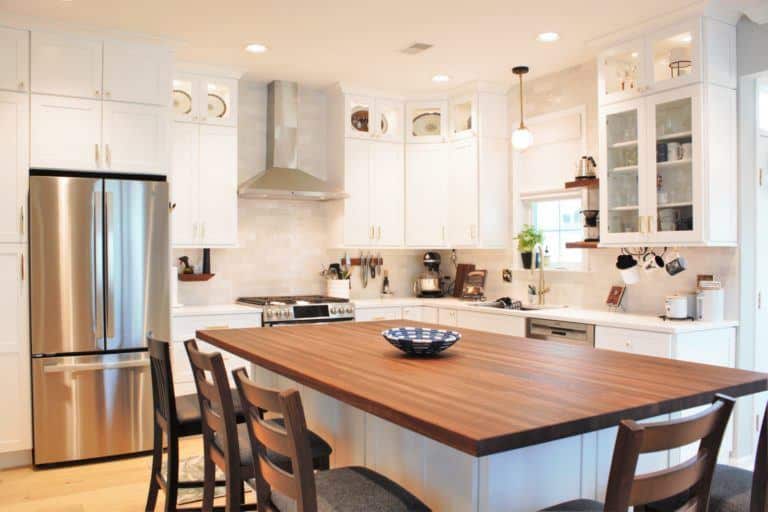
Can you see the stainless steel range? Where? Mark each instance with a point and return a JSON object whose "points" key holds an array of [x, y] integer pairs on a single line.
{"points": [[301, 309]]}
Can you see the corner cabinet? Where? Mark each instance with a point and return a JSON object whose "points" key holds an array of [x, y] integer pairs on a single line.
{"points": [[669, 168], [204, 185], [427, 198]]}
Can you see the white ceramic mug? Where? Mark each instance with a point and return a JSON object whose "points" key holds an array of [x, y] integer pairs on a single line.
{"points": [[673, 151], [630, 275], [686, 151]]}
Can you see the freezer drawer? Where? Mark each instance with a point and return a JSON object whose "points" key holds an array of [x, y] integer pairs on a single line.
{"points": [[91, 406]]}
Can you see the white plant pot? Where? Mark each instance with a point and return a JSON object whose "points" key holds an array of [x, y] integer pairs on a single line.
{"points": [[337, 288]]}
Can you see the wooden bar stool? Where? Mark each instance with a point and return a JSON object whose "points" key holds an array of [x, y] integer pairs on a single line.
{"points": [[174, 417], [733, 489], [626, 489], [225, 442], [349, 489]]}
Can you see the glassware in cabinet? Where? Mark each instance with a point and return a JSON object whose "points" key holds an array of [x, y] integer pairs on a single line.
{"points": [[622, 157]]}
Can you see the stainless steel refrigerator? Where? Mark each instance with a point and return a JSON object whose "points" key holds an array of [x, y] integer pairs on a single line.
{"points": [[99, 284]]}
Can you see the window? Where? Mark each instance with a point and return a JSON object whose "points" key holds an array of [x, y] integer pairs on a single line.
{"points": [[559, 219]]}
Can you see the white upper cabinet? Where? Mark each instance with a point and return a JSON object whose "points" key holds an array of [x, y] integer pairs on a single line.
{"points": [[463, 212], [427, 174], [462, 121], [136, 73], [388, 120], [670, 169], [695, 50], [358, 226], [66, 133], [134, 137], [204, 185], [14, 59], [426, 121], [67, 65], [14, 166], [218, 186], [205, 99]]}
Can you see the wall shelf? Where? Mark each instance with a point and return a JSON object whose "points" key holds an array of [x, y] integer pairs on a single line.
{"points": [[195, 277], [584, 183], [581, 245]]}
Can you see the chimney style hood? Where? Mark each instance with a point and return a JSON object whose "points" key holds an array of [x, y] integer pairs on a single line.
{"points": [[283, 179]]}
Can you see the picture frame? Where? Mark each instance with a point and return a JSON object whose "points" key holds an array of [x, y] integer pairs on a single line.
{"points": [[615, 295]]}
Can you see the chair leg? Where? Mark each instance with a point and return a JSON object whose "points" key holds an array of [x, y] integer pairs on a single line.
{"points": [[157, 464], [234, 492], [209, 478], [172, 478], [322, 463]]}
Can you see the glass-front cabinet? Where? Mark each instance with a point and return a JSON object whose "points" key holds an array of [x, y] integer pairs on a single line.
{"points": [[202, 99], [622, 130], [374, 118], [621, 72], [653, 169], [426, 121], [463, 118]]}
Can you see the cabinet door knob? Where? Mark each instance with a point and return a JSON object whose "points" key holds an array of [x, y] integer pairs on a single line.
{"points": [[22, 85], [96, 93], [171, 206], [108, 94]]}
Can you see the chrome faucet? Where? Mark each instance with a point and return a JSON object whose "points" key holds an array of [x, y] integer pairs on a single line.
{"points": [[542, 289]]}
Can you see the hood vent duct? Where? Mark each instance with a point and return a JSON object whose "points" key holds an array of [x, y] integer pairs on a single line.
{"points": [[283, 179]]}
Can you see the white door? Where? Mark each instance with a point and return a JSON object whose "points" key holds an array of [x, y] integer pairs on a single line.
{"points": [[426, 200], [358, 227], [184, 183], [463, 215], [388, 192], [388, 116], [16, 427], [14, 166], [14, 59], [135, 137], [623, 173], [674, 175], [66, 64], [218, 186], [66, 133], [137, 73]]}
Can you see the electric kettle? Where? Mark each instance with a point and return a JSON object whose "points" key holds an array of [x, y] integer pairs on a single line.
{"points": [[586, 168]]}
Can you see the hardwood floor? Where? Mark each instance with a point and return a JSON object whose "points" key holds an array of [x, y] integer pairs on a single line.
{"points": [[117, 486]]}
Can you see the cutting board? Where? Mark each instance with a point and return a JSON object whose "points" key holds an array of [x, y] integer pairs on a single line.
{"points": [[462, 269]]}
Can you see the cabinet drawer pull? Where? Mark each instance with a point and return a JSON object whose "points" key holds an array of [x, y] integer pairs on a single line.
{"points": [[96, 93], [22, 86], [21, 222], [108, 154], [22, 266], [98, 158], [379, 236], [108, 94]]}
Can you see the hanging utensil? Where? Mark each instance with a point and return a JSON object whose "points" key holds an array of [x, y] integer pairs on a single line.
{"points": [[379, 263], [364, 269], [372, 265]]}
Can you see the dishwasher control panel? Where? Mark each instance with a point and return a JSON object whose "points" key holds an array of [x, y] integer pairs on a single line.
{"points": [[556, 330]]}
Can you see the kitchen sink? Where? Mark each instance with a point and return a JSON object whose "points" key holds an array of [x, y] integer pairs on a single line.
{"points": [[525, 307]]}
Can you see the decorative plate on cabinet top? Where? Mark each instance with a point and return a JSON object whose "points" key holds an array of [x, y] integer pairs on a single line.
{"points": [[217, 107], [421, 341], [182, 102], [426, 124]]}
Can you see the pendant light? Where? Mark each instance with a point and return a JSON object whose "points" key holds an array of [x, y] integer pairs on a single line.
{"points": [[522, 138]]}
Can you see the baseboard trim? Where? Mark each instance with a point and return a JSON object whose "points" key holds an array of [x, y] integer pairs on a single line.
{"points": [[15, 459]]}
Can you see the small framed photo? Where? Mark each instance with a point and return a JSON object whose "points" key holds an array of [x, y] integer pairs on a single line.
{"points": [[615, 296]]}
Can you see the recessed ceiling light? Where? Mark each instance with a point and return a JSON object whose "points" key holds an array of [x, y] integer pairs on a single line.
{"points": [[635, 55], [441, 78], [548, 37], [256, 48], [686, 38]]}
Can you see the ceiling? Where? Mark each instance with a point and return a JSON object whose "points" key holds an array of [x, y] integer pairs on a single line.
{"points": [[319, 42]]}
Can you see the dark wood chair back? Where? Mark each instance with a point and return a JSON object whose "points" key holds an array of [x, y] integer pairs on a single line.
{"points": [[293, 442], [163, 394], [626, 489], [759, 500], [217, 410]]}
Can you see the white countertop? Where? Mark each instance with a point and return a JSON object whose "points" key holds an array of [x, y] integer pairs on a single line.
{"points": [[214, 309], [568, 314]]}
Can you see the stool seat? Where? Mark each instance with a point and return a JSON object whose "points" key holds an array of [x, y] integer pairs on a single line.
{"points": [[354, 489], [188, 414], [577, 506], [731, 491]]}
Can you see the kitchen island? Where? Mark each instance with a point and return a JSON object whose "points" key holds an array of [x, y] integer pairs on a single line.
{"points": [[495, 423]]}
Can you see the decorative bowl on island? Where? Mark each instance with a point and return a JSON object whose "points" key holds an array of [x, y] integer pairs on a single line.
{"points": [[420, 341]]}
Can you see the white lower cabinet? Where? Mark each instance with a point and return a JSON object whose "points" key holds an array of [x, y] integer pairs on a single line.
{"points": [[424, 314], [378, 314], [490, 322], [184, 328], [16, 400], [449, 317]]}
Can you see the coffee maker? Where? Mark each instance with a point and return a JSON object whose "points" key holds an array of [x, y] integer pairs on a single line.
{"points": [[429, 283]]}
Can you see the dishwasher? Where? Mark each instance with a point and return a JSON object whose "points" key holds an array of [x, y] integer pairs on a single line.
{"points": [[569, 332]]}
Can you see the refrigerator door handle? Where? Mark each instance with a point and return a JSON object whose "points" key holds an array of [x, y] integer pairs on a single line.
{"points": [[84, 367], [110, 296]]}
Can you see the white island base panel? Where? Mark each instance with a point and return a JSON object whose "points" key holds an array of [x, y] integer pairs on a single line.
{"points": [[524, 480]]}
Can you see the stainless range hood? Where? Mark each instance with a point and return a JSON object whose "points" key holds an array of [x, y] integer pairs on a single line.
{"points": [[283, 179]]}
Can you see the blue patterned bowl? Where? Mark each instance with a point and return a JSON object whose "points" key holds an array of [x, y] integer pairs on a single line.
{"points": [[420, 341]]}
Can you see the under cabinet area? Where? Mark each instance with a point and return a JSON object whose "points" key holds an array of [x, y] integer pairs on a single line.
{"points": [[204, 185]]}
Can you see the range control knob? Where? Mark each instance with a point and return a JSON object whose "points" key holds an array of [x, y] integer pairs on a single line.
{"points": [[348, 309]]}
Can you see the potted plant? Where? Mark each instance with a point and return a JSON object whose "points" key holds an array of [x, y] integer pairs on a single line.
{"points": [[526, 241]]}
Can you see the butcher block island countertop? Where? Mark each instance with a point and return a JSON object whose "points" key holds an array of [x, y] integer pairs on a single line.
{"points": [[489, 393]]}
